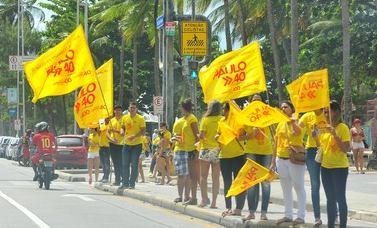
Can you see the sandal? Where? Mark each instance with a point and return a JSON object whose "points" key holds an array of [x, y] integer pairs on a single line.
{"points": [[178, 200], [283, 220], [249, 217], [298, 221], [204, 203], [191, 202], [226, 212], [236, 212], [213, 207]]}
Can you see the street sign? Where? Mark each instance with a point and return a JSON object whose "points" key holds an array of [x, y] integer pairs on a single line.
{"points": [[15, 63], [170, 28], [194, 38], [12, 112], [160, 22], [158, 105], [12, 95]]}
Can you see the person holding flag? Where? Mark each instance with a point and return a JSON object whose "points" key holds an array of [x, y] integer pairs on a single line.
{"points": [[104, 151], [289, 136], [232, 158]]}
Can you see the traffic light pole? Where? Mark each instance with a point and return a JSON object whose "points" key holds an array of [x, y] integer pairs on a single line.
{"points": [[193, 80]]}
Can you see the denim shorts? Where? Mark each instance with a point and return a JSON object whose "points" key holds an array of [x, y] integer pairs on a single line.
{"points": [[210, 155]]}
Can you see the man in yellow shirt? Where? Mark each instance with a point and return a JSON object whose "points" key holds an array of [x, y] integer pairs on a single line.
{"points": [[104, 151], [134, 128], [115, 135]]}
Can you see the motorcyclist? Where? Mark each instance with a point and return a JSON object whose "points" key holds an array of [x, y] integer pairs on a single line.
{"points": [[43, 142]]}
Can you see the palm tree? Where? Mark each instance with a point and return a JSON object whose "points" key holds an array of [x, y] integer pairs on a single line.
{"points": [[294, 39], [241, 9], [157, 88], [9, 11], [346, 61], [227, 26]]}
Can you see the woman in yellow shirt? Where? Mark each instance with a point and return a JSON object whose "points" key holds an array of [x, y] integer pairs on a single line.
{"points": [[291, 175], [232, 158], [93, 154], [209, 152], [335, 143]]}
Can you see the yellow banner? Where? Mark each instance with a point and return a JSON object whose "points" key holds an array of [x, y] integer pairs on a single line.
{"points": [[250, 174], [233, 75], [231, 127], [259, 114], [90, 105], [63, 68], [310, 91]]}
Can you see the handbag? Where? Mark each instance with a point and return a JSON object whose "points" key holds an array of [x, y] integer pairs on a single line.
{"points": [[297, 152]]}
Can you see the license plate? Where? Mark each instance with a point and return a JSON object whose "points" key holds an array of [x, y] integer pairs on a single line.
{"points": [[65, 152], [48, 163]]}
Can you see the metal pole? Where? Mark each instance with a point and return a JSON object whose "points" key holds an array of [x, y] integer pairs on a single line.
{"points": [[77, 23], [194, 80], [18, 54], [170, 67], [86, 19], [22, 73], [164, 63]]}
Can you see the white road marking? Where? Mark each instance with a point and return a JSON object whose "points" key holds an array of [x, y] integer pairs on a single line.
{"points": [[24, 210], [85, 198]]}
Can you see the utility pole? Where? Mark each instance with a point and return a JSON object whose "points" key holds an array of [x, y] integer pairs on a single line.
{"points": [[77, 24], [193, 80], [22, 73], [18, 53]]}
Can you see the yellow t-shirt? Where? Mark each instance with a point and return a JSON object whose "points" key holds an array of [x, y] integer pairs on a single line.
{"points": [[232, 149], [283, 142], [93, 143], [332, 156], [145, 143], [260, 143], [209, 126], [156, 140], [167, 136], [187, 134], [308, 120], [103, 140], [132, 127], [177, 130], [116, 125]]}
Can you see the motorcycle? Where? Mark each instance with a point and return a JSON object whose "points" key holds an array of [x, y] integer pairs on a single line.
{"points": [[46, 171]]}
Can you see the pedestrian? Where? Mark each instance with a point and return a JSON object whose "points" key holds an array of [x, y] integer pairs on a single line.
{"points": [[143, 155], [162, 158], [357, 134], [258, 147], [115, 135], [134, 128], [93, 154], [309, 122], [287, 136], [232, 158], [190, 134], [153, 168], [335, 143], [104, 151], [180, 162], [209, 153]]}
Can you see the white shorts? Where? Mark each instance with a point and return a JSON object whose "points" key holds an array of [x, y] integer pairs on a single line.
{"points": [[357, 145], [93, 154]]}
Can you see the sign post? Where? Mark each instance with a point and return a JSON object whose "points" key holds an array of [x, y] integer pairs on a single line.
{"points": [[194, 38], [158, 105], [15, 63]]}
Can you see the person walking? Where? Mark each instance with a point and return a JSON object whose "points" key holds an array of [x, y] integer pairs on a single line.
{"points": [[144, 153], [309, 122], [134, 128], [115, 135], [104, 151], [357, 134], [335, 143], [209, 153], [289, 134], [232, 158], [162, 158], [93, 154]]}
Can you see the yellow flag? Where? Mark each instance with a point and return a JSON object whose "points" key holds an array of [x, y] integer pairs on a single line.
{"points": [[231, 127], [250, 174], [259, 114], [233, 75], [63, 68], [310, 91], [90, 105]]}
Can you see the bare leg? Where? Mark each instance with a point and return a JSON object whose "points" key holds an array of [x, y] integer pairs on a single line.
{"points": [[194, 172], [204, 169], [215, 182], [161, 166], [141, 171], [90, 169], [361, 159], [96, 168], [355, 159]]}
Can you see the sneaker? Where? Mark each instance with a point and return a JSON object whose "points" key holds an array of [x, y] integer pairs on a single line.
{"points": [[318, 222]]}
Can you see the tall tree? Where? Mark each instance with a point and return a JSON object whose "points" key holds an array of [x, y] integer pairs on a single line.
{"points": [[157, 87], [294, 39], [227, 26], [346, 61], [241, 10]]}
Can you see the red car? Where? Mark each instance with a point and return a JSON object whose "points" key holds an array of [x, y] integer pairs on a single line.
{"points": [[72, 151]]}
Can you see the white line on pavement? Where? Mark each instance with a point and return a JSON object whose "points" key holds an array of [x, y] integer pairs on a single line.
{"points": [[28, 213], [85, 198]]}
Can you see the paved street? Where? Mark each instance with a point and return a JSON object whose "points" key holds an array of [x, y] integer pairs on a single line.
{"points": [[67, 204]]}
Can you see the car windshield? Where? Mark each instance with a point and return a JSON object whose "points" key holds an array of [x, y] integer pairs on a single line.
{"points": [[69, 141]]}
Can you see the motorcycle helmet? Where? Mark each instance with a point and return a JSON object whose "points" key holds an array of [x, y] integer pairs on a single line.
{"points": [[41, 127]]}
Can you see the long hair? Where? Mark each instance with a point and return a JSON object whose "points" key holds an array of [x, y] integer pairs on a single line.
{"points": [[214, 109]]}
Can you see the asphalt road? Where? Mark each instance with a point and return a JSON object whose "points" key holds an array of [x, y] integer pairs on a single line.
{"points": [[68, 204]]}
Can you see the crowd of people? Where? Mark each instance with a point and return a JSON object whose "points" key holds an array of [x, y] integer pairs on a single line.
{"points": [[192, 149]]}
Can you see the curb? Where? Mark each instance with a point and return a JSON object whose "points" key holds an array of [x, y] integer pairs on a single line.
{"points": [[69, 177], [196, 212]]}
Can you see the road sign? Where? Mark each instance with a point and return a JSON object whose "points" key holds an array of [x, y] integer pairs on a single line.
{"points": [[160, 22], [158, 105], [170, 28], [12, 95], [15, 63], [194, 38], [12, 112]]}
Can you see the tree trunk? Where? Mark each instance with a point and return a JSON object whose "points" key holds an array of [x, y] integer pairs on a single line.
{"points": [[157, 88], [227, 26], [294, 39], [242, 24], [134, 69], [65, 115], [346, 62], [121, 65], [286, 48], [275, 50]]}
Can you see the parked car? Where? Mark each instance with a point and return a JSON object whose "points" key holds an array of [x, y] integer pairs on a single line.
{"points": [[6, 146], [14, 148], [72, 151], [3, 143]]}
